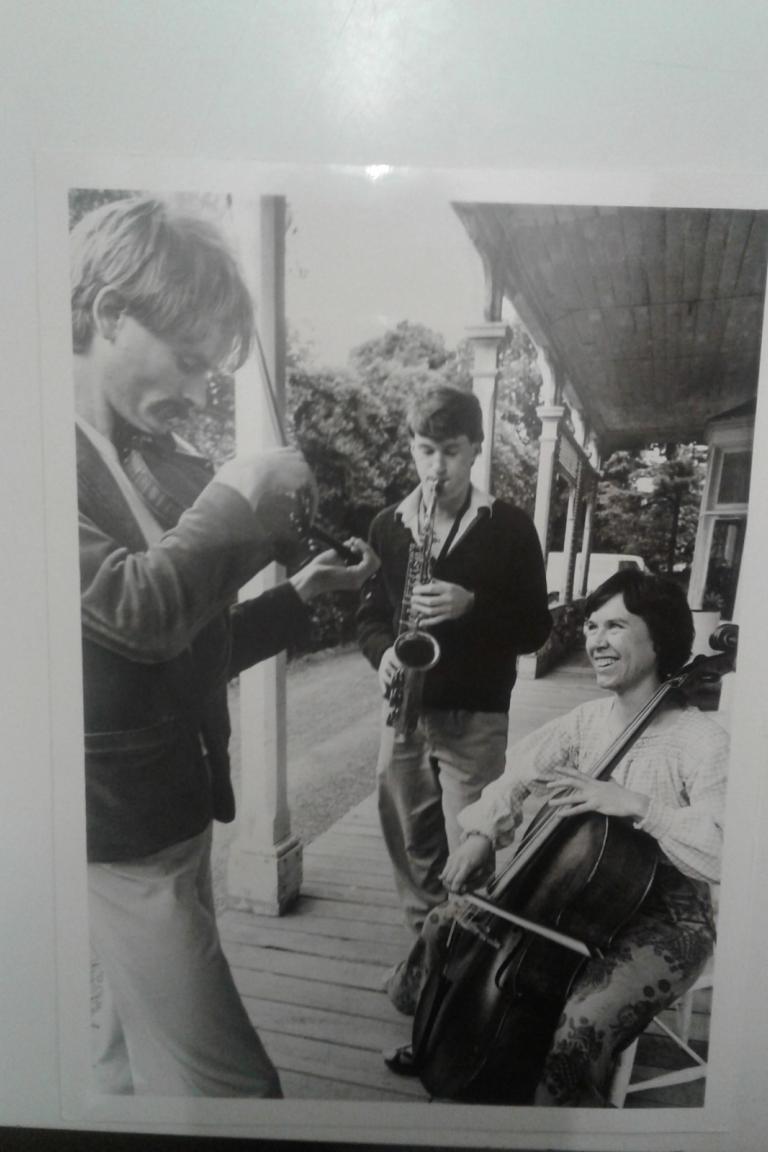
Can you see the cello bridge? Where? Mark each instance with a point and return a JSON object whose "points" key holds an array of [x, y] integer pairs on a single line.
{"points": [[477, 929]]}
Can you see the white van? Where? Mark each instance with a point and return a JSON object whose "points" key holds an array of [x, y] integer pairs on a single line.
{"points": [[601, 566]]}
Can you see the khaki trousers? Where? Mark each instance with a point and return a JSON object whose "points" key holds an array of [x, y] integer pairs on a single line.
{"points": [[171, 1021], [424, 781]]}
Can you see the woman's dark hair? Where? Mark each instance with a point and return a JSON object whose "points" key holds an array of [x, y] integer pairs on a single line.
{"points": [[661, 604], [442, 412]]}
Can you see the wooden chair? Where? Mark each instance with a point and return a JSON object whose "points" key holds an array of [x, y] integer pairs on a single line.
{"points": [[622, 1085]]}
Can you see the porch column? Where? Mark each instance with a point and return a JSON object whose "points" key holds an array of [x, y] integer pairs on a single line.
{"points": [[569, 545], [550, 416], [486, 339], [265, 860], [589, 492], [550, 412], [586, 546]]}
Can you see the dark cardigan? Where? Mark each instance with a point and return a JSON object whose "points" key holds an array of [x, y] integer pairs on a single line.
{"points": [[499, 559]]}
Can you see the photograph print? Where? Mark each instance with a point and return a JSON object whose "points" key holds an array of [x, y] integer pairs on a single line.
{"points": [[410, 542]]}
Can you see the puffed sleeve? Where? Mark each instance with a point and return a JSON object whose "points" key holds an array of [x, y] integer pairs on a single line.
{"points": [[690, 833]]}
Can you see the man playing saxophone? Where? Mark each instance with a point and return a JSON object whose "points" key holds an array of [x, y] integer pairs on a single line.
{"points": [[465, 570]]}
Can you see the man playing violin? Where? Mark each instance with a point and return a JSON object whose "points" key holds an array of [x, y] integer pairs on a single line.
{"points": [[670, 784], [159, 307], [484, 601]]}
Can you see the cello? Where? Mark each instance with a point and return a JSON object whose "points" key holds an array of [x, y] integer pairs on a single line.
{"points": [[487, 1013]]}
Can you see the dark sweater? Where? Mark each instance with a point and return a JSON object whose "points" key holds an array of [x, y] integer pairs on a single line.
{"points": [[499, 559]]}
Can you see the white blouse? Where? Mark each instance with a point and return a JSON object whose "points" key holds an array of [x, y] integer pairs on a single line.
{"points": [[681, 767]]}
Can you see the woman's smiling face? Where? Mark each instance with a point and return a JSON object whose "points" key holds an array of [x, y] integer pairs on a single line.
{"points": [[620, 647]]}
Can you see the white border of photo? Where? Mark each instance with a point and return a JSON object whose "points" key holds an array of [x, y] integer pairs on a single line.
{"points": [[739, 1028]]}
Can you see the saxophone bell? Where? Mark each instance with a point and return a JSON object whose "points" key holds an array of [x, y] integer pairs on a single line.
{"points": [[417, 649]]}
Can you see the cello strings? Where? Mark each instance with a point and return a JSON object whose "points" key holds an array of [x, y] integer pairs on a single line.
{"points": [[601, 769], [605, 764]]}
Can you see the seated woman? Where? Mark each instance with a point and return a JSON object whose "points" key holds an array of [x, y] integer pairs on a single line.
{"points": [[670, 783]]}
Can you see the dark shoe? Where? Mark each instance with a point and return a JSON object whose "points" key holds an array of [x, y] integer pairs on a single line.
{"points": [[401, 1061]]}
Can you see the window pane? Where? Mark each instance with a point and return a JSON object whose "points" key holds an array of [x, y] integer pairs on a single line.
{"points": [[734, 478], [724, 565]]}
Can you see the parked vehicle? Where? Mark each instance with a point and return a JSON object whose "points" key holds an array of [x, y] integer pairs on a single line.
{"points": [[601, 566]]}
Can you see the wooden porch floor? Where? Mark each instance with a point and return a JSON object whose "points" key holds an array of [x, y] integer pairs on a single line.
{"points": [[312, 979]]}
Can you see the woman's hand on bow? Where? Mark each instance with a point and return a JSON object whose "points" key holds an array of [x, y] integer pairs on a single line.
{"points": [[472, 854]]}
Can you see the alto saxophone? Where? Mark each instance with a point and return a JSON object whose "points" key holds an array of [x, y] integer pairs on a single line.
{"points": [[416, 649]]}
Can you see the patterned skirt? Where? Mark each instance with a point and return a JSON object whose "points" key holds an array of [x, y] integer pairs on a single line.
{"points": [[653, 961]]}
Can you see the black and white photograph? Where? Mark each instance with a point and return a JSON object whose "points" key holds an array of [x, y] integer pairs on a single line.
{"points": [[397, 646], [409, 597]]}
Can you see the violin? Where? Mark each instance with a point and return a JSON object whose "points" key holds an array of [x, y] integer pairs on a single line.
{"points": [[487, 1013], [170, 477]]}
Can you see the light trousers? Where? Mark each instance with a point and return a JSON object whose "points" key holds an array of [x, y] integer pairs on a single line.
{"points": [[171, 1021], [424, 781]]}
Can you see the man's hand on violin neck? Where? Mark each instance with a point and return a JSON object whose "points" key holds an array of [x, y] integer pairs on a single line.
{"points": [[328, 572]]}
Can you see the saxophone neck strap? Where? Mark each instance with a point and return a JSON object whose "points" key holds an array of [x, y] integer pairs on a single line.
{"points": [[456, 523]]}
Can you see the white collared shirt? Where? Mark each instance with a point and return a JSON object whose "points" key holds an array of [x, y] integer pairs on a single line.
{"points": [[408, 512]]}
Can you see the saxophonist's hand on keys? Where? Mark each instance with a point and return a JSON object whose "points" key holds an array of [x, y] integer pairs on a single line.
{"points": [[388, 669], [439, 601]]}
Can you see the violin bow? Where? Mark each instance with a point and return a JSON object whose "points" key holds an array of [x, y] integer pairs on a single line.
{"points": [[316, 531]]}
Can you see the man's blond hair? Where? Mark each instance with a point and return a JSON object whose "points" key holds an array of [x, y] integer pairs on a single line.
{"points": [[174, 272]]}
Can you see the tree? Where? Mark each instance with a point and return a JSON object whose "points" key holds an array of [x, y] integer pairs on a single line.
{"points": [[648, 504], [389, 369], [337, 425], [410, 357], [516, 441], [85, 200]]}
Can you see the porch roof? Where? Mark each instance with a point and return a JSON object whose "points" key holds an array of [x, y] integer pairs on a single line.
{"points": [[653, 316]]}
